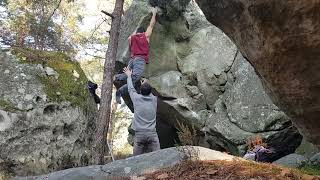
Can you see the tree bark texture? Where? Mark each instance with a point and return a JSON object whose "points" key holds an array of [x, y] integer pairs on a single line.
{"points": [[102, 122]]}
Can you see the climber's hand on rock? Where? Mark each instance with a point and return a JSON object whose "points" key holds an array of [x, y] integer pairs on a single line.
{"points": [[154, 10], [127, 71]]}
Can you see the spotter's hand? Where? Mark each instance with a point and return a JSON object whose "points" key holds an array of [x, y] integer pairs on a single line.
{"points": [[127, 71]]}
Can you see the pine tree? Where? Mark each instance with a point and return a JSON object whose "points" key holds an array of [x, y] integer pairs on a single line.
{"points": [[102, 122]]}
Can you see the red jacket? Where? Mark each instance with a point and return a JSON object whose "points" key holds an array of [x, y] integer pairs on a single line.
{"points": [[139, 46]]}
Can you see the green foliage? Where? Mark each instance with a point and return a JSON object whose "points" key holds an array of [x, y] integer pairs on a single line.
{"points": [[188, 136], [93, 69], [4, 176], [66, 87], [3, 2], [123, 153], [7, 106], [310, 169], [41, 24], [121, 119]]}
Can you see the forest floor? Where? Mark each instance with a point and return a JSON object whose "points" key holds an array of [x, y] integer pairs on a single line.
{"points": [[226, 170]]}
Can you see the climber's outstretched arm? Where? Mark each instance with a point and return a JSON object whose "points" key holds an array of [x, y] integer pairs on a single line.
{"points": [[152, 23], [131, 89]]}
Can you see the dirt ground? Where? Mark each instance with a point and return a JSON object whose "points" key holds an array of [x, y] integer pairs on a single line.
{"points": [[226, 170]]}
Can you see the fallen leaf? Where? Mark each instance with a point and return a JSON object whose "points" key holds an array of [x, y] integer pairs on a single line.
{"points": [[138, 178], [163, 176], [308, 177], [285, 172], [212, 172]]}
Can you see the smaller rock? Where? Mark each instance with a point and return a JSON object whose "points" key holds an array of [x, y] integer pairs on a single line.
{"points": [[22, 159], [29, 107], [230, 78], [39, 66], [193, 90], [28, 97], [60, 137], [5, 121], [43, 160], [127, 170], [291, 161], [23, 75], [51, 72], [7, 71], [76, 74], [44, 97], [21, 90], [29, 115], [184, 102], [28, 77], [58, 93], [20, 106], [223, 79], [315, 160]]}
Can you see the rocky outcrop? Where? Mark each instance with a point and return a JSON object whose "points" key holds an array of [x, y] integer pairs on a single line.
{"points": [[282, 41], [46, 113], [292, 161], [137, 165], [203, 81], [315, 160], [307, 149]]}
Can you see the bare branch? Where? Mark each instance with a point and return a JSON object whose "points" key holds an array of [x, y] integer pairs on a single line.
{"points": [[98, 57], [96, 28], [108, 14], [53, 12]]}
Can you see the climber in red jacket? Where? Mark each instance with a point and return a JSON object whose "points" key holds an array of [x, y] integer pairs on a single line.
{"points": [[139, 51]]}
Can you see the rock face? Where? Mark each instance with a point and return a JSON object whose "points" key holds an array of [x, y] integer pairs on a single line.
{"points": [[137, 165], [44, 125], [292, 161], [315, 160], [282, 41], [204, 81], [307, 149]]}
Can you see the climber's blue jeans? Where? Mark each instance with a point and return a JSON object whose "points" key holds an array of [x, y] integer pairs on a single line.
{"points": [[137, 67]]}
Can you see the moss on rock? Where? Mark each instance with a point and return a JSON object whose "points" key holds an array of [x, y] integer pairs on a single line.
{"points": [[310, 169], [64, 88], [307, 149], [7, 106]]}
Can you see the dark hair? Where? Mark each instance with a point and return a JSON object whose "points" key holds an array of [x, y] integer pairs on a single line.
{"points": [[145, 89], [141, 30]]}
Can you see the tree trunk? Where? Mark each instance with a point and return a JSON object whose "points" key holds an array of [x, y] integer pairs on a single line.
{"points": [[102, 122], [110, 130]]}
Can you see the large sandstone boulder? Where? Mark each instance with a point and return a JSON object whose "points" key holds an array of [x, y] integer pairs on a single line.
{"points": [[315, 160], [46, 113], [137, 165], [203, 81], [292, 161], [282, 40], [307, 149]]}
